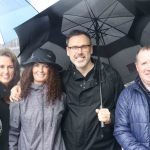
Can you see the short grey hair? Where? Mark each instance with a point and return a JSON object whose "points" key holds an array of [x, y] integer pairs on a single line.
{"points": [[75, 33]]}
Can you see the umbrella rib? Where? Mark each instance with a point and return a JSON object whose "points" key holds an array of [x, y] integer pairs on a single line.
{"points": [[75, 24], [114, 27], [93, 36], [111, 17], [111, 35], [108, 16], [2, 36], [76, 16], [122, 24], [31, 5], [94, 23], [89, 10], [100, 27], [107, 8], [98, 18]]}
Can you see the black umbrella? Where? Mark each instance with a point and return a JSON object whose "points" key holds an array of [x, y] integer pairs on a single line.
{"points": [[121, 16], [112, 22], [106, 21]]}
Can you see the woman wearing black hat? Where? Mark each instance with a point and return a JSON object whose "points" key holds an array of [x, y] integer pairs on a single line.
{"points": [[35, 121]]}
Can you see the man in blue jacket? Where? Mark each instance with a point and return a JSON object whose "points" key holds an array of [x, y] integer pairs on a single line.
{"points": [[132, 116]]}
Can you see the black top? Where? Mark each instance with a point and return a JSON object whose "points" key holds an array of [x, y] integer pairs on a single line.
{"points": [[4, 117], [80, 125]]}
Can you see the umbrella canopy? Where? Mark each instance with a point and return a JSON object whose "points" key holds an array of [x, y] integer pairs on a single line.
{"points": [[33, 33], [121, 27], [137, 6], [106, 21], [14, 13]]}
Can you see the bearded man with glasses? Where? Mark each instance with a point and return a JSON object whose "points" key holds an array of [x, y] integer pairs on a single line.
{"points": [[81, 124]]}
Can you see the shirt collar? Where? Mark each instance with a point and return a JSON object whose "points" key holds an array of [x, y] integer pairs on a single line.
{"points": [[78, 76], [141, 85]]}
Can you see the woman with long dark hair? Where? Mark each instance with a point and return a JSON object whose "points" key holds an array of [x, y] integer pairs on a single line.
{"points": [[9, 76], [35, 120]]}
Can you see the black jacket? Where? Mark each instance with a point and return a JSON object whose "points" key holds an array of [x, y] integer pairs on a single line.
{"points": [[4, 117], [80, 125]]}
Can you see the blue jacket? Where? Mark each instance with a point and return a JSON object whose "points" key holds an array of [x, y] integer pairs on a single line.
{"points": [[132, 120]]}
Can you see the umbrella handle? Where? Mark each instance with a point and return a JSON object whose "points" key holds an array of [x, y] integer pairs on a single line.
{"points": [[102, 123], [102, 126]]}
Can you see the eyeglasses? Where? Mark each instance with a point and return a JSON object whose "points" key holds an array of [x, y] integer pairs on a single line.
{"points": [[76, 48]]}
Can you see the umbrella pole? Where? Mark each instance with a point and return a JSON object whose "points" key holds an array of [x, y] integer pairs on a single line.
{"points": [[100, 87], [99, 70]]}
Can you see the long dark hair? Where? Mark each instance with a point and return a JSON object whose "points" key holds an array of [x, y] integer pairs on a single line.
{"points": [[53, 83]]}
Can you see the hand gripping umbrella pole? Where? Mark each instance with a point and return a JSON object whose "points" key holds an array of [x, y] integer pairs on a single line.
{"points": [[97, 38]]}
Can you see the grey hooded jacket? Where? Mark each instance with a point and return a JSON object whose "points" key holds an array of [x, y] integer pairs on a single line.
{"points": [[35, 125]]}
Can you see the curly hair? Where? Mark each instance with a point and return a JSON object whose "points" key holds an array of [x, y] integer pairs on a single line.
{"points": [[11, 55], [53, 83]]}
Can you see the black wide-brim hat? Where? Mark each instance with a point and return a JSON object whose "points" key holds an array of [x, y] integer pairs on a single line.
{"points": [[41, 55]]}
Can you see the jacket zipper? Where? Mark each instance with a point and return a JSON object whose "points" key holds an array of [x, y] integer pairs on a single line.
{"points": [[52, 117], [42, 124]]}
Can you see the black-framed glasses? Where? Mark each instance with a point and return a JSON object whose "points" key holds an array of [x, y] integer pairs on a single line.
{"points": [[76, 48]]}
